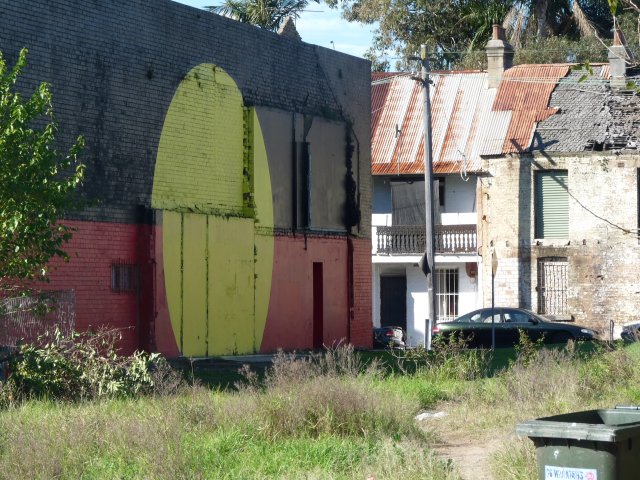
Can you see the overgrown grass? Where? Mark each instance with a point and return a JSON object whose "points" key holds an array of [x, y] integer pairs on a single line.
{"points": [[305, 418], [341, 415]]}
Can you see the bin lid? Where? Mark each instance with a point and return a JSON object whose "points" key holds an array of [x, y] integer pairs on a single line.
{"points": [[606, 425]]}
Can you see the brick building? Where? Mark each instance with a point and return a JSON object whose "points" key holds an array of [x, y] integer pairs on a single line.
{"points": [[561, 213], [535, 166], [226, 166]]}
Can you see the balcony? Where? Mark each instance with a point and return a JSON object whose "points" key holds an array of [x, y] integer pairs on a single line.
{"points": [[410, 239]]}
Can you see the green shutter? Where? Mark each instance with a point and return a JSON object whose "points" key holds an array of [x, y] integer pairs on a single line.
{"points": [[552, 205]]}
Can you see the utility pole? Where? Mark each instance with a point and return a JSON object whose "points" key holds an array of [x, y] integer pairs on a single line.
{"points": [[428, 198]]}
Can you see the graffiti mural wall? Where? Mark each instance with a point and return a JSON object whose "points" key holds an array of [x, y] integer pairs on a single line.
{"points": [[218, 180]]}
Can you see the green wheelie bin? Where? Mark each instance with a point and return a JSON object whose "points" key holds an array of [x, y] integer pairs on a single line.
{"points": [[590, 445]]}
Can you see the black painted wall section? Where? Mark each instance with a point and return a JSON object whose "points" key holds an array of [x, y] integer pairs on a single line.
{"points": [[114, 66]]}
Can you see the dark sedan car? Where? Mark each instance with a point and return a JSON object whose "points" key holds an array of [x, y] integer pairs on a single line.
{"points": [[476, 328], [389, 337], [631, 333]]}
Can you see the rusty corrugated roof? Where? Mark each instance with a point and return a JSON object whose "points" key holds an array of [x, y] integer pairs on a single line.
{"points": [[460, 105], [468, 119], [525, 91]]}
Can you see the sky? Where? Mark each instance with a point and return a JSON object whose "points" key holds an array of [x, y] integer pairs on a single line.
{"points": [[322, 26]]}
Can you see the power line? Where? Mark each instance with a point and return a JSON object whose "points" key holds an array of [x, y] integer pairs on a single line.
{"points": [[568, 81]]}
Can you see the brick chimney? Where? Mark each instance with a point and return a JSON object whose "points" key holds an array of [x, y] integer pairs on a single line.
{"points": [[499, 56], [289, 30], [618, 56]]}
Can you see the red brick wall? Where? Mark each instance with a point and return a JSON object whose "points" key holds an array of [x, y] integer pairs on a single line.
{"points": [[290, 318], [95, 246], [361, 324], [92, 250]]}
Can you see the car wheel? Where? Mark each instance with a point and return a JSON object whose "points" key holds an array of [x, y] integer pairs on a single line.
{"points": [[561, 337]]}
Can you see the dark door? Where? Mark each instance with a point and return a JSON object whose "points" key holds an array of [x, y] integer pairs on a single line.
{"points": [[393, 301], [318, 301]]}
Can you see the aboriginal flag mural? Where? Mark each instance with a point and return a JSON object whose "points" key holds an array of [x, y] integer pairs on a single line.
{"points": [[227, 176]]}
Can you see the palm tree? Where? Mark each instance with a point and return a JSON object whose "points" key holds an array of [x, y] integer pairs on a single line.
{"points": [[267, 14], [544, 18]]}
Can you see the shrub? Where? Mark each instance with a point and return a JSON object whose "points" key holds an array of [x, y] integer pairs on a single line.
{"points": [[450, 359], [78, 366]]}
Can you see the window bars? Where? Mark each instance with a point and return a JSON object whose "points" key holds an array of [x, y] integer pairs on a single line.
{"points": [[447, 294]]}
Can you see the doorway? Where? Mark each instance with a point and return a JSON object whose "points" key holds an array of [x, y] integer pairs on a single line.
{"points": [[318, 311], [393, 301]]}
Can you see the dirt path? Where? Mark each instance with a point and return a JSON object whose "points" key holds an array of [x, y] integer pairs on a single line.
{"points": [[470, 455]]}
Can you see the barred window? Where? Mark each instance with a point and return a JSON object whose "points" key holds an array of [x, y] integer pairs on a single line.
{"points": [[447, 293], [552, 285], [124, 277]]}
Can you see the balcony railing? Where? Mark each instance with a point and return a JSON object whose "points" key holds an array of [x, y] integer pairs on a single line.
{"points": [[410, 239]]}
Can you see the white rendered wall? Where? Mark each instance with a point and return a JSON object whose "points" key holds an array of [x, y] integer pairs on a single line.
{"points": [[469, 298], [417, 311]]}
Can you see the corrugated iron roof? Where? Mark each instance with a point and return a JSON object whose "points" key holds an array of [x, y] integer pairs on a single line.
{"points": [[468, 119], [460, 110], [525, 90]]}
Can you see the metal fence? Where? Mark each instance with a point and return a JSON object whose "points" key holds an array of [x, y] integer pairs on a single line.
{"points": [[24, 319]]}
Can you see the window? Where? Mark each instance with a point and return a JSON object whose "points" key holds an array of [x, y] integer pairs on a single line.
{"points": [[551, 204], [124, 277], [515, 316], [407, 200], [552, 285], [446, 294]]}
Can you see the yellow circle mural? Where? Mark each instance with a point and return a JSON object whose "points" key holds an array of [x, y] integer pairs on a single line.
{"points": [[213, 187]]}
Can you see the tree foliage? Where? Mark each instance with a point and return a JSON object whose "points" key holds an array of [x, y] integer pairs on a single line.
{"points": [[267, 14], [37, 183], [455, 29]]}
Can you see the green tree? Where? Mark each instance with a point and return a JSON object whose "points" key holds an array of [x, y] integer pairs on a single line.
{"points": [[37, 183], [456, 31], [447, 27], [267, 14], [532, 20]]}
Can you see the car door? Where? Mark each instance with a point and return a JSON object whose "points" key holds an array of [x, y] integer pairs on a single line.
{"points": [[521, 320], [484, 328]]}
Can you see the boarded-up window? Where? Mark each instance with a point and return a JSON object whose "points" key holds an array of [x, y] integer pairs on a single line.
{"points": [[551, 204], [407, 199]]}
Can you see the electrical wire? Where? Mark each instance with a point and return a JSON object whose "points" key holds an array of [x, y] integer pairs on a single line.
{"points": [[590, 81]]}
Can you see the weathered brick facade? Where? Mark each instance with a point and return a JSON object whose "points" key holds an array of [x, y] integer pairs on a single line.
{"points": [[602, 246]]}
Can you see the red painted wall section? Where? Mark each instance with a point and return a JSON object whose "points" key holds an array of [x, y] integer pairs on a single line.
{"points": [[161, 330], [290, 317], [144, 321], [361, 323], [92, 250]]}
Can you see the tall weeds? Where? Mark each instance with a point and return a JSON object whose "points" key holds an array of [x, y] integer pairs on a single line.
{"points": [[311, 417], [323, 394]]}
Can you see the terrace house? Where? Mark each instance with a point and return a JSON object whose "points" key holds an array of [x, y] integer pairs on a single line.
{"points": [[504, 143]]}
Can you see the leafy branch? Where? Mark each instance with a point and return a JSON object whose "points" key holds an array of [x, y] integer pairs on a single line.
{"points": [[37, 183]]}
